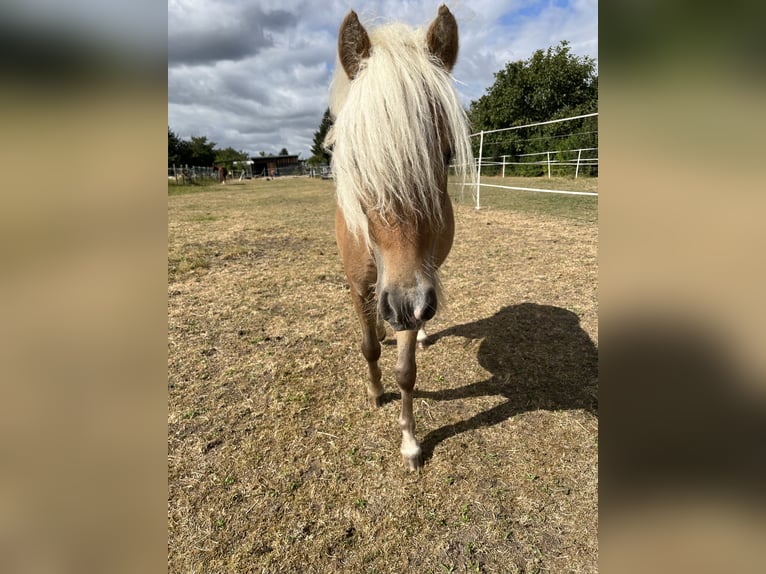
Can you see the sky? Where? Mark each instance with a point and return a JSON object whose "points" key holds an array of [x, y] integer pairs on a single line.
{"points": [[254, 75]]}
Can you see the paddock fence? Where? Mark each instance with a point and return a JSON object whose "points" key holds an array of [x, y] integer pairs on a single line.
{"points": [[560, 148], [186, 174]]}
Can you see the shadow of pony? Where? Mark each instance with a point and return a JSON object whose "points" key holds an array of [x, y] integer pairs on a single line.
{"points": [[539, 358]]}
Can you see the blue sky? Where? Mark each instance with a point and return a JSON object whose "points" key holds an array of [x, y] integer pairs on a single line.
{"points": [[254, 75], [530, 10]]}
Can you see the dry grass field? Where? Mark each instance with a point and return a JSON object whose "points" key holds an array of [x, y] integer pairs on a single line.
{"points": [[275, 462]]}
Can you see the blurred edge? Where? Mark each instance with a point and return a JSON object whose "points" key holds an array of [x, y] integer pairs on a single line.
{"points": [[82, 291], [83, 230], [682, 317]]}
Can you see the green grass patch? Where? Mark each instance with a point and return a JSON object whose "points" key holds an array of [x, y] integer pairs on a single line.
{"points": [[191, 186], [192, 258], [581, 207]]}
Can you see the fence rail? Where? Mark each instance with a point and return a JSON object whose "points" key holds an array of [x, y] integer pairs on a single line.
{"points": [[189, 174], [192, 174], [550, 160]]}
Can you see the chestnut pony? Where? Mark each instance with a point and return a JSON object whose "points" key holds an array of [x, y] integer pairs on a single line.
{"points": [[222, 173], [398, 122]]}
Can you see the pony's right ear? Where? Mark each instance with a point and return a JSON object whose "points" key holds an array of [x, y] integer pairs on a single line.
{"points": [[353, 44]]}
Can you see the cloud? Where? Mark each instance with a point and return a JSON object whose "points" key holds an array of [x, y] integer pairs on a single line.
{"points": [[212, 32], [256, 78], [495, 33], [215, 45]]}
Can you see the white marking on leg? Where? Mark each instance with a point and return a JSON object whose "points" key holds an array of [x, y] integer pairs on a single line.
{"points": [[406, 373], [410, 446]]}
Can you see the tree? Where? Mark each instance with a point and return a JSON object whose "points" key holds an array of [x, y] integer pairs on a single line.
{"points": [[283, 151], [201, 151], [549, 85], [320, 156], [173, 142], [229, 155], [178, 149]]}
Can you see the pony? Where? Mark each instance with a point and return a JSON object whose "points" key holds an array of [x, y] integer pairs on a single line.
{"points": [[398, 122], [222, 173]]}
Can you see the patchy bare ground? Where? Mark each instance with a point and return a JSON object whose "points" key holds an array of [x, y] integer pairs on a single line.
{"points": [[275, 463]]}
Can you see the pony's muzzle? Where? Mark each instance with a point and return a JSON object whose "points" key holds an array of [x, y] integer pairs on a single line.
{"points": [[407, 309]]}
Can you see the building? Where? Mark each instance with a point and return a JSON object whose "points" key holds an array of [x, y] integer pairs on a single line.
{"points": [[274, 165]]}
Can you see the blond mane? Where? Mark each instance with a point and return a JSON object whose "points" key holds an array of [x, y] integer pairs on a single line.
{"points": [[391, 125]]}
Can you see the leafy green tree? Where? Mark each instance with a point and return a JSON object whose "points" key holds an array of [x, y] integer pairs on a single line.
{"points": [[551, 84], [228, 155], [178, 149], [173, 141], [320, 156], [201, 151], [284, 151]]}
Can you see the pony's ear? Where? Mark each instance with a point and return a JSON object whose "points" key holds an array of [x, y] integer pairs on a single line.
{"points": [[442, 38], [353, 44]]}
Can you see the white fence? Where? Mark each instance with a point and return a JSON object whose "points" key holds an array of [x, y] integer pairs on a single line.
{"points": [[187, 173], [577, 158]]}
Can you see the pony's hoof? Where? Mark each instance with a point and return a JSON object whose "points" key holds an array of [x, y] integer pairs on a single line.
{"points": [[413, 463], [375, 402]]}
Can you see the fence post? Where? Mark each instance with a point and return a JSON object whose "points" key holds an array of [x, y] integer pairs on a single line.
{"points": [[549, 164], [577, 169], [478, 170], [505, 156]]}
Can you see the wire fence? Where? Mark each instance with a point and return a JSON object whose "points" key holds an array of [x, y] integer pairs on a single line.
{"points": [[185, 175], [191, 174]]}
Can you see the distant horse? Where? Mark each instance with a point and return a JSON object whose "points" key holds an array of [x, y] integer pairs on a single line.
{"points": [[222, 173], [398, 123]]}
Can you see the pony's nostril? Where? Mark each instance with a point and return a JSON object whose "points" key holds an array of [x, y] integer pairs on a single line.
{"points": [[431, 304], [386, 311], [427, 309], [397, 309]]}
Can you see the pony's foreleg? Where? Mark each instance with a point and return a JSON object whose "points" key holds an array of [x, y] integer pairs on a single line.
{"points": [[371, 337], [406, 372]]}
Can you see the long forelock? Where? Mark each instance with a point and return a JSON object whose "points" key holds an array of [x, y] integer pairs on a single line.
{"points": [[391, 123]]}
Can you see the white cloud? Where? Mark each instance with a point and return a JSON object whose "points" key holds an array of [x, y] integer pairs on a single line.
{"points": [[255, 75]]}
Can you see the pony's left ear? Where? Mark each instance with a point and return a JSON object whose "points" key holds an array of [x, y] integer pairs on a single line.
{"points": [[442, 38], [353, 44]]}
